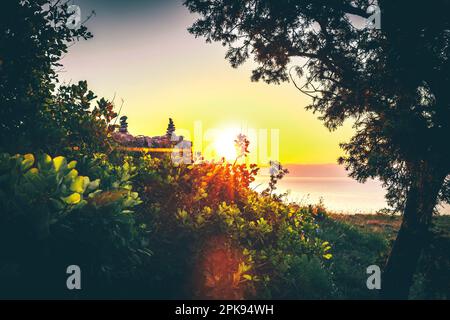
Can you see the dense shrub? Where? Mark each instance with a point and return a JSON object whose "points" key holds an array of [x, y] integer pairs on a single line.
{"points": [[185, 231], [75, 123], [52, 217], [196, 231], [262, 239]]}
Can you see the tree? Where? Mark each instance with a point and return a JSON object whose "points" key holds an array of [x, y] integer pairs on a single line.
{"points": [[123, 124], [34, 35], [35, 112], [72, 124], [170, 129], [393, 83]]}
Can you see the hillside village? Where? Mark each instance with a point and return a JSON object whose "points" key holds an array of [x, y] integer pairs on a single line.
{"points": [[168, 141]]}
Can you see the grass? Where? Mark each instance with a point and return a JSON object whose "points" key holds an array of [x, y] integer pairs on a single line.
{"points": [[361, 240]]}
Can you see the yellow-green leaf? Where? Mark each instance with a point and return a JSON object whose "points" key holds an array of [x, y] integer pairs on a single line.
{"points": [[77, 184], [200, 220], [59, 162], [86, 183], [34, 171], [72, 164], [47, 159], [93, 185], [27, 162], [45, 162], [74, 198], [72, 174]]}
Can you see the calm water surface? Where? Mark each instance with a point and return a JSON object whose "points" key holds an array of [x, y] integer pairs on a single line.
{"points": [[340, 194]]}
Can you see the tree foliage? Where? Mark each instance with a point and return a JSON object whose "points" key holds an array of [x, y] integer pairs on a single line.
{"points": [[75, 123], [144, 223], [393, 83], [170, 129], [34, 36]]}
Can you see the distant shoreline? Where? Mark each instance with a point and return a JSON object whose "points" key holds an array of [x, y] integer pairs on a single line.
{"points": [[340, 194]]}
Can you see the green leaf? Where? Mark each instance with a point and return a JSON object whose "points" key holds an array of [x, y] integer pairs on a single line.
{"points": [[57, 204]]}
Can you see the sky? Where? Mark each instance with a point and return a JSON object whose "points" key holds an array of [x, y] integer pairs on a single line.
{"points": [[142, 54]]}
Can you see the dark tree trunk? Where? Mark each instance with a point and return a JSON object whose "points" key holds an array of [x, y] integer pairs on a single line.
{"points": [[412, 236]]}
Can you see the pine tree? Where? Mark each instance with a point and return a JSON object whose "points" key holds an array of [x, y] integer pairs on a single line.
{"points": [[170, 129], [123, 124]]}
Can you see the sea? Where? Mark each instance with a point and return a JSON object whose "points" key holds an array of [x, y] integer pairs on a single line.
{"points": [[339, 194]]}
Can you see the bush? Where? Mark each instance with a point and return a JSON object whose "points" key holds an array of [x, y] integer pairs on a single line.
{"points": [[74, 124], [52, 217], [262, 240], [194, 218], [197, 231]]}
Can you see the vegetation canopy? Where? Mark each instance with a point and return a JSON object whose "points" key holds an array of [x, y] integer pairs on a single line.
{"points": [[140, 226], [392, 82]]}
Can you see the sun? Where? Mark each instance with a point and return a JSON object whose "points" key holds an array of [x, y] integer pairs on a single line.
{"points": [[224, 145]]}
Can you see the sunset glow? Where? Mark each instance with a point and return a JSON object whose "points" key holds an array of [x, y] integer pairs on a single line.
{"points": [[224, 145], [189, 152], [148, 70]]}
